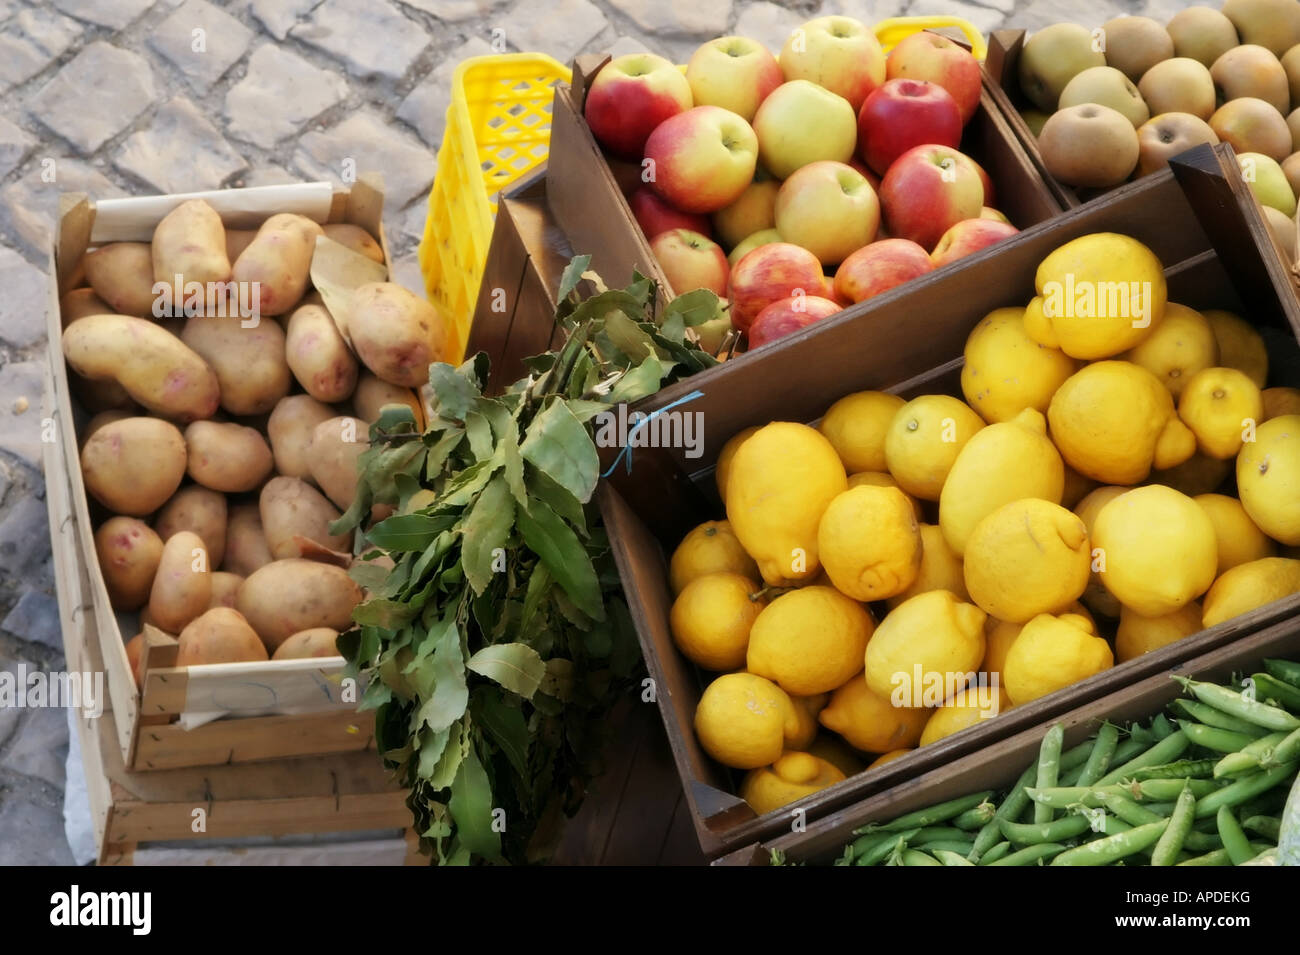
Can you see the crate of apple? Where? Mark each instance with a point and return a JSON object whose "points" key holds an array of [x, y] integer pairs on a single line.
{"points": [[795, 187]]}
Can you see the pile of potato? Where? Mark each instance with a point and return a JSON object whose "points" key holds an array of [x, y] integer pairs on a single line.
{"points": [[221, 450]]}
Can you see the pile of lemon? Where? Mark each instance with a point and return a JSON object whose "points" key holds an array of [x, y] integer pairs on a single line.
{"points": [[1076, 482]]}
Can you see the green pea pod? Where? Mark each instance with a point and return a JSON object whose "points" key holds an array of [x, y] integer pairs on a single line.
{"points": [[1161, 727], [1049, 769], [1076, 755], [1058, 830], [1234, 704], [1288, 749], [1208, 715], [1215, 857], [1102, 753], [884, 848], [1136, 815], [1288, 671], [917, 857], [1165, 751], [1253, 756], [1160, 790], [999, 851], [976, 817], [1270, 827], [1014, 803], [1031, 854], [1170, 843], [962, 846], [1248, 787], [1113, 848], [1179, 769], [1269, 687], [937, 834], [865, 843], [1234, 840], [1126, 749], [1211, 737], [937, 814], [951, 858]]}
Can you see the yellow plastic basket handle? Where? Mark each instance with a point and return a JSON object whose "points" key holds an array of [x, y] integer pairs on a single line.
{"points": [[893, 31]]}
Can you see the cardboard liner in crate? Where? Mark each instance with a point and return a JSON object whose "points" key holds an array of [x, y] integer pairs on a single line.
{"points": [[910, 342]]}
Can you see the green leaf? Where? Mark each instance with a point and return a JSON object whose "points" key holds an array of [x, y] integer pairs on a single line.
{"points": [[368, 575], [504, 725], [694, 308], [471, 806], [449, 763], [628, 336], [640, 381], [465, 486], [386, 614], [513, 465], [450, 694], [393, 418], [558, 444], [516, 666], [432, 746], [408, 532], [557, 498], [479, 432], [486, 530], [454, 393], [559, 549], [539, 585], [441, 451], [572, 275]]}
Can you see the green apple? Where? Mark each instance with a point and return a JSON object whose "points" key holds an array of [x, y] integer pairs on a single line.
{"points": [[750, 243], [839, 53], [1106, 86], [829, 208], [1052, 57], [1268, 182], [800, 123]]}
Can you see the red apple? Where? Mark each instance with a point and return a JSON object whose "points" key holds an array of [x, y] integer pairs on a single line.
{"points": [[839, 53], [701, 160], [690, 261], [788, 315], [630, 97], [988, 212], [866, 171], [929, 56], [903, 114], [878, 267], [928, 190], [967, 236], [733, 72], [828, 208], [654, 215], [770, 273]]}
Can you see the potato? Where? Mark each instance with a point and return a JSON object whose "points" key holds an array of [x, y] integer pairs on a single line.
{"points": [[190, 242], [318, 356], [373, 393], [279, 261], [316, 642], [226, 456], [248, 361], [79, 303], [355, 238], [291, 507], [335, 446], [290, 427], [155, 367], [224, 587], [121, 273], [287, 596], [99, 396], [128, 552], [396, 334], [101, 419], [182, 587], [197, 509], [134, 465], [237, 240], [246, 547], [219, 635]]}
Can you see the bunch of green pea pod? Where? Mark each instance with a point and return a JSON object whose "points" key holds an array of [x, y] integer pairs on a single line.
{"points": [[1204, 784]]}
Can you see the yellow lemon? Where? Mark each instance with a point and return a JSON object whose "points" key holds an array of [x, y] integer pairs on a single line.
{"points": [[1076, 488], [1052, 653], [1238, 538], [1098, 295], [780, 481], [1113, 421], [1028, 557], [1223, 407], [1003, 462], [1006, 371], [725, 456], [809, 640], [923, 644], [1000, 634], [941, 569], [1182, 345], [838, 753], [1248, 586], [789, 779], [711, 619], [1095, 596], [889, 757], [924, 439], [869, 544], [870, 722], [711, 548], [1268, 478], [856, 426], [1138, 634], [970, 706], [1157, 549], [1199, 474], [1240, 346], [806, 709], [884, 479], [1280, 401], [744, 721]]}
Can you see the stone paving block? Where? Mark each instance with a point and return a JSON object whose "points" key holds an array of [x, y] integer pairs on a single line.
{"points": [[266, 174], [95, 96], [280, 16], [28, 206], [201, 41], [35, 618], [454, 11], [21, 382], [22, 323], [105, 13], [30, 42], [372, 37], [873, 11], [40, 748], [370, 143], [14, 145], [425, 107], [1042, 13], [180, 151], [627, 44], [24, 536], [982, 16], [768, 23], [33, 830], [280, 92], [11, 717], [706, 18], [559, 28]]}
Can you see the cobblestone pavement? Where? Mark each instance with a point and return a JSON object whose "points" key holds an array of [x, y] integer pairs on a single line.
{"points": [[134, 97]]}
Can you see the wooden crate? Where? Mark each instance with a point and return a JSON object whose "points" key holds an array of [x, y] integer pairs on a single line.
{"points": [[999, 765], [148, 733], [1207, 233]]}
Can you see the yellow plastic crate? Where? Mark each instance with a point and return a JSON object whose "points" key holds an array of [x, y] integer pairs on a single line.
{"points": [[498, 130]]}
